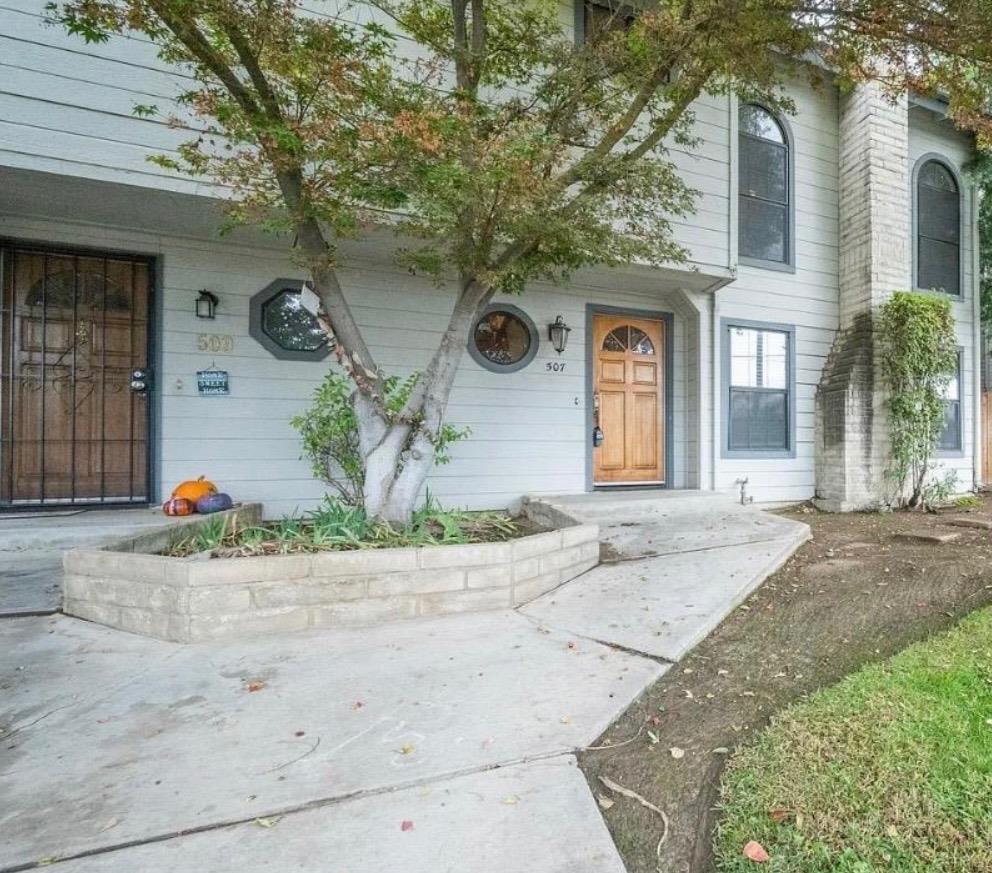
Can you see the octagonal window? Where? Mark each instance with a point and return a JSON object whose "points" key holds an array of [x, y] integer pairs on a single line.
{"points": [[280, 323]]}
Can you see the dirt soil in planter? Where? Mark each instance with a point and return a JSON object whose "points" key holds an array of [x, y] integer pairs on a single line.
{"points": [[865, 586]]}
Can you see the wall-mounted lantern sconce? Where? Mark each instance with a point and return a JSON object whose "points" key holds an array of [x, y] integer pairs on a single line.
{"points": [[206, 305], [558, 334]]}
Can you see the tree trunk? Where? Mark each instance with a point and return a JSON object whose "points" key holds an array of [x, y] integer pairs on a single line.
{"points": [[399, 464]]}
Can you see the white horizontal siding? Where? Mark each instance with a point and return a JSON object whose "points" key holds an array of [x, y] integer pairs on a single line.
{"points": [[806, 299], [67, 107], [529, 432]]}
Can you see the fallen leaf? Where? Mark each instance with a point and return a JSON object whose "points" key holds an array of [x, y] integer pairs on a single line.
{"points": [[654, 738], [566, 720], [254, 685], [406, 749], [754, 851], [677, 753], [406, 825], [779, 815], [357, 704], [604, 801], [511, 800], [268, 822], [299, 734]]}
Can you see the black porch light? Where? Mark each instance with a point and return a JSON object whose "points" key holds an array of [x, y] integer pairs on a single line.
{"points": [[206, 304], [558, 333]]}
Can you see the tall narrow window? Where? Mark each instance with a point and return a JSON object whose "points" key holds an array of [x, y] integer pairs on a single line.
{"points": [[765, 208], [758, 378], [950, 438], [938, 229]]}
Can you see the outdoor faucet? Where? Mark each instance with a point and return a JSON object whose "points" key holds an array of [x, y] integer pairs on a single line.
{"points": [[745, 497]]}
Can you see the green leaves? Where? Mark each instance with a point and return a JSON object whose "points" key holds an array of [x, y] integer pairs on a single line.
{"points": [[329, 430], [918, 360]]}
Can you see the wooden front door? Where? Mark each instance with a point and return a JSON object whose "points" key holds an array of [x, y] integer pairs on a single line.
{"points": [[629, 399], [73, 329]]}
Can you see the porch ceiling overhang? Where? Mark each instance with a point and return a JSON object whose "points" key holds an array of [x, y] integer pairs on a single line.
{"points": [[47, 196], [646, 279]]}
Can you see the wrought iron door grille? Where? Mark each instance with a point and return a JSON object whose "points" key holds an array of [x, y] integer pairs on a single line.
{"points": [[74, 325]]}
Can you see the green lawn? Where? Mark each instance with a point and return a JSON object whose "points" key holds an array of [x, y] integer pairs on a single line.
{"points": [[890, 770]]}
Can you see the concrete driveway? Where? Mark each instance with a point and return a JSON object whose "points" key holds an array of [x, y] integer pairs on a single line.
{"points": [[429, 745]]}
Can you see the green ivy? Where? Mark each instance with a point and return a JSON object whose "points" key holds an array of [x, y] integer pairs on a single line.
{"points": [[329, 430], [919, 359]]}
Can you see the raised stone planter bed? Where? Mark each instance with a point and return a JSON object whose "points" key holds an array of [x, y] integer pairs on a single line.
{"points": [[191, 599]]}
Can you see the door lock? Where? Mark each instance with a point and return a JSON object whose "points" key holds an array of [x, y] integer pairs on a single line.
{"points": [[140, 381]]}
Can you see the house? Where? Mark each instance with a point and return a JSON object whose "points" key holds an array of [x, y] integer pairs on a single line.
{"points": [[140, 348]]}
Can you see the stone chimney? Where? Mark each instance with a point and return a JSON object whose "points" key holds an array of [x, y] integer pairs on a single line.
{"points": [[875, 227]]}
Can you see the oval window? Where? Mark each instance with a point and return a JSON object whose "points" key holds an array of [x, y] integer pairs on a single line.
{"points": [[504, 339]]}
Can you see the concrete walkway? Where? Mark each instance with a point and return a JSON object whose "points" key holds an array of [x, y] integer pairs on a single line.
{"points": [[31, 547], [429, 745]]}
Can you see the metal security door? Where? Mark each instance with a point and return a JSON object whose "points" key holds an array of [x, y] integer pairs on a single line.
{"points": [[74, 328]]}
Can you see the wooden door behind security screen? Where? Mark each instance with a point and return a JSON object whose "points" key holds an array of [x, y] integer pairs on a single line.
{"points": [[628, 357], [73, 327]]}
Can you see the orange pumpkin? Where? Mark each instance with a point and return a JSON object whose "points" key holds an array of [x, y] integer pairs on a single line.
{"points": [[178, 506], [194, 489]]}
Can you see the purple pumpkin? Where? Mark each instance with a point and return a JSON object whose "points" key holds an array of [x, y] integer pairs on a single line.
{"points": [[214, 503]]}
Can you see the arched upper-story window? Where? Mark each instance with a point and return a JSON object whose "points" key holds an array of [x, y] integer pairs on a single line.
{"points": [[938, 227], [765, 186]]}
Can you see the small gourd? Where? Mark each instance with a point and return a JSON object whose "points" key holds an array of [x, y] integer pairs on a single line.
{"points": [[194, 489], [178, 506], [214, 503]]}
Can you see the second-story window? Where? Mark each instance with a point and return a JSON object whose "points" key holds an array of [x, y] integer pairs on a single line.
{"points": [[765, 209], [938, 229], [598, 18]]}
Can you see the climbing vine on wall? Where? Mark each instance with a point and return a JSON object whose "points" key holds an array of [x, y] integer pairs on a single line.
{"points": [[919, 359]]}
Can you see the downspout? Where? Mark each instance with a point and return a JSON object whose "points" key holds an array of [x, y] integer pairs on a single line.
{"points": [[715, 424], [732, 265], [976, 352]]}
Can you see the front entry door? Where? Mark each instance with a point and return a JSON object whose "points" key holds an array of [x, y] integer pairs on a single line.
{"points": [[628, 357], [73, 330]]}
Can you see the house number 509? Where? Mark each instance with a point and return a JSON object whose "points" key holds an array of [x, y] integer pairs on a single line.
{"points": [[555, 366], [214, 342]]}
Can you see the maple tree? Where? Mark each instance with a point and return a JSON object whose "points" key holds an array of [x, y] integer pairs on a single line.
{"points": [[497, 150]]}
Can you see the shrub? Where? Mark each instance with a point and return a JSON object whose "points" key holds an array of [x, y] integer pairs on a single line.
{"points": [[330, 433], [919, 358]]}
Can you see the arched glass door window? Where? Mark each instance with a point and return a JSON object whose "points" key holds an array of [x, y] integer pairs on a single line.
{"points": [[938, 229], [764, 187]]}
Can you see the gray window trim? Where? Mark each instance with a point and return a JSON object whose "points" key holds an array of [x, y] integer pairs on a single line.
{"points": [[257, 333], [593, 309], [958, 451], [789, 265], [915, 194], [483, 361], [726, 325]]}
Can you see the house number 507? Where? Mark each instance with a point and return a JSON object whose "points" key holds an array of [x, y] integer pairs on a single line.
{"points": [[555, 366]]}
